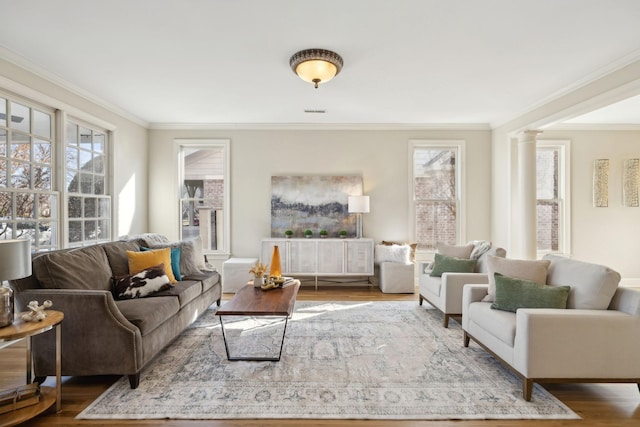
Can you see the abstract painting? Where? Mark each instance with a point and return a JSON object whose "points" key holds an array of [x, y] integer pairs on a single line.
{"points": [[315, 203]]}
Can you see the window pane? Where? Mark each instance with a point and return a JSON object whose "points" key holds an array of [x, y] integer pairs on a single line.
{"points": [[20, 175], [3, 112], [5, 205], [547, 173], [46, 206], [71, 158], [86, 183], [46, 233], [75, 207], [103, 229], [20, 118], [71, 181], [548, 225], [98, 142], [42, 151], [25, 205], [42, 177], [104, 209], [98, 164], [75, 231], [99, 185], [434, 170], [20, 146], [90, 230], [3, 143], [3, 172], [90, 210], [85, 138], [85, 160], [436, 222], [41, 124], [71, 134]]}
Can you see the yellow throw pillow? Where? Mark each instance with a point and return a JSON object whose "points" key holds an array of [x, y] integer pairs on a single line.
{"points": [[139, 261]]}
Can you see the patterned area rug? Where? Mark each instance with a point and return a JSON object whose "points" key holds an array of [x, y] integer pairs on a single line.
{"points": [[368, 360]]}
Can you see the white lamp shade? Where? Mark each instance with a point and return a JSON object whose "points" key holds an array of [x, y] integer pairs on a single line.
{"points": [[358, 204], [15, 259]]}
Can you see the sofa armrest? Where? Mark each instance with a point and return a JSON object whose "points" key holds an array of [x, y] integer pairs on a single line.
{"points": [[556, 343], [94, 332], [626, 300], [471, 294], [452, 285]]}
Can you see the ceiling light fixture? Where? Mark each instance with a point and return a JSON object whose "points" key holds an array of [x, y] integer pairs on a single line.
{"points": [[316, 65]]}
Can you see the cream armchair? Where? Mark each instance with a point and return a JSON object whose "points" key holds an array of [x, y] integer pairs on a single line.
{"points": [[595, 339], [445, 292]]}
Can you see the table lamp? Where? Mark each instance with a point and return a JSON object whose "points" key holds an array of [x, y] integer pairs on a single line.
{"points": [[358, 205], [15, 263]]}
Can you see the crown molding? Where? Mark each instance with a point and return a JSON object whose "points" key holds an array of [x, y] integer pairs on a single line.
{"points": [[29, 66], [610, 127], [322, 126]]}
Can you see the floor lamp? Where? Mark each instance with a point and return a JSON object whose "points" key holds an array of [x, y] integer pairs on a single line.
{"points": [[15, 263], [358, 205]]}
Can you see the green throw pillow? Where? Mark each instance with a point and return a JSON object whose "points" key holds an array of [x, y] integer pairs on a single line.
{"points": [[449, 264], [512, 294]]}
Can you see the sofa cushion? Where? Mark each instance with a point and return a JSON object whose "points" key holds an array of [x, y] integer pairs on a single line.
{"points": [[392, 253], [141, 284], [189, 265], [448, 264], [175, 260], [592, 285], [208, 279], [139, 261], [82, 268], [512, 294], [482, 264], [117, 255], [500, 324], [456, 251], [148, 313], [186, 291], [534, 270]]}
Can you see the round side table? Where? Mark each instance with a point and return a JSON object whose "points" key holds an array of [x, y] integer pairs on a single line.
{"points": [[48, 395]]}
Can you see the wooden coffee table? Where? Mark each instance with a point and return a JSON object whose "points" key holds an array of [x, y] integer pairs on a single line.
{"points": [[254, 302]]}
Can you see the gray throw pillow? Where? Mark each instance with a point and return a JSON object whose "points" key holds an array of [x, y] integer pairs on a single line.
{"points": [[534, 270], [455, 251], [512, 294], [447, 264]]}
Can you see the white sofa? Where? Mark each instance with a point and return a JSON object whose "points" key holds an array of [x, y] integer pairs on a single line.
{"points": [[445, 292], [595, 339]]}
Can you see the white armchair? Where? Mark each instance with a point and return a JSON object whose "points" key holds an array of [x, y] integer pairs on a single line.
{"points": [[445, 292], [596, 339]]}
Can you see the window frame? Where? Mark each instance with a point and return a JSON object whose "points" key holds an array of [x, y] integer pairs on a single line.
{"points": [[460, 187], [207, 143], [564, 194]]}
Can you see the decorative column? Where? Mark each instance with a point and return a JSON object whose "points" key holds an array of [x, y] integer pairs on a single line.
{"points": [[527, 193]]}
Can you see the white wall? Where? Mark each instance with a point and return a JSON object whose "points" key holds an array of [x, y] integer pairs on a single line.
{"points": [[381, 157], [611, 235], [130, 148]]}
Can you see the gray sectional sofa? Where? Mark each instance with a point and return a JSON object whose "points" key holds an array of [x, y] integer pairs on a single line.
{"points": [[100, 334]]}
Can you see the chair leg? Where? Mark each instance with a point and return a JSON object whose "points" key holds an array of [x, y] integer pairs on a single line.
{"points": [[446, 320], [466, 339], [527, 388], [134, 380]]}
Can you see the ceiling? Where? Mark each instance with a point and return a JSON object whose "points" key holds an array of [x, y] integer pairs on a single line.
{"points": [[405, 61]]}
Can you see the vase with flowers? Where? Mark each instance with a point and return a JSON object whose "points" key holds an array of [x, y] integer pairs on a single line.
{"points": [[258, 270]]}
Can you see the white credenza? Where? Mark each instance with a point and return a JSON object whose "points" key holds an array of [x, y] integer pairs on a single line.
{"points": [[321, 257]]}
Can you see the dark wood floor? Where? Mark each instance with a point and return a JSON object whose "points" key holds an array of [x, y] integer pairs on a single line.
{"points": [[599, 405]]}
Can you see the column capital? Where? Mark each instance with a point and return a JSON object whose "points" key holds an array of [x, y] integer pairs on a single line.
{"points": [[528, 136]]}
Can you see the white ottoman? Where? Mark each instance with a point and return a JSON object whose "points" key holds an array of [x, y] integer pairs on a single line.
{"points": [[397, 278], [235, 273]]}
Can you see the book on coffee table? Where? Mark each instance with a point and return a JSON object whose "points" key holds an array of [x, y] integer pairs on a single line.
{"points": [[19, 397]]}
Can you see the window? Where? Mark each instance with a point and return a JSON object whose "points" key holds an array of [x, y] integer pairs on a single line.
{"points": [[86, 185], [436, 184], [552, 165], [204, 192], [28, 202]]}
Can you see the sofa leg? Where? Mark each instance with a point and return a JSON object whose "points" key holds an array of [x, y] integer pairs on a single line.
{"points": [[134, 380], [218, 301], [420, 299], [467, 338], [446, 320], [527, 388]]}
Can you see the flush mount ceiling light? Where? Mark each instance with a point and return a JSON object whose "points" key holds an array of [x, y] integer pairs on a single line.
{"points": [[316, 65]]}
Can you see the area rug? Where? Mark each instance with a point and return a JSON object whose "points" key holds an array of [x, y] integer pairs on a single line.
{"points": [[341, 360]]}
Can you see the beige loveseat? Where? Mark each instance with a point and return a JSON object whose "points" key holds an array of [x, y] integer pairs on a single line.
{"points": [[100, 334], [596, 338], [445, 292]]}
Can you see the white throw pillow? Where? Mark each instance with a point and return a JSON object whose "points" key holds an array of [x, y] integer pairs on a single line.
{"points": [[533, 270], [393, 253]]}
